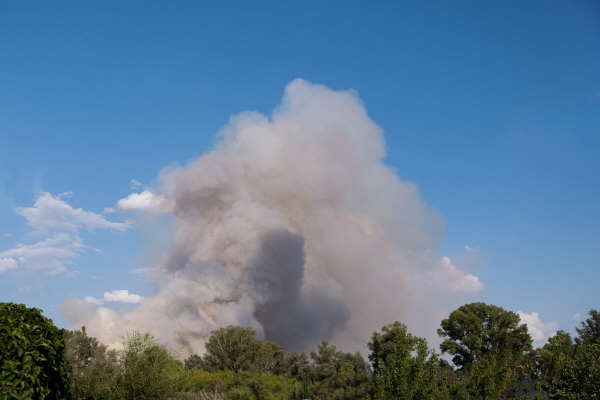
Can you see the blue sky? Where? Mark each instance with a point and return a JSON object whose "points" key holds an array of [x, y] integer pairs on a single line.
{"points": [[491, 108]]}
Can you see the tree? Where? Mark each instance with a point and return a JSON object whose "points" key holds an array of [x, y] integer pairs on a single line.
{"points": [[590, 328], [234, 348], [32, 355], [195, 362], [149, 371], [567, 370], [383, 345], [402, 376], [270, 358], [296, 365], [338, 375], [95, 370], [477, 330], [492, 377], [238, 349]]}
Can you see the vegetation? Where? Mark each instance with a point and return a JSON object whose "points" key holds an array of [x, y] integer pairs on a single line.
{"points": [[477, 331], [492, 355], [571, 369], [32, 355]]}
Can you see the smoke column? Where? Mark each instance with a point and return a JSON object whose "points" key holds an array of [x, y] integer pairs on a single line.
{"points": [[294, 226]]}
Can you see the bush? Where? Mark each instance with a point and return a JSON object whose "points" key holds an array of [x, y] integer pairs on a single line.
{"points": [[148, 370], [32, 353]]}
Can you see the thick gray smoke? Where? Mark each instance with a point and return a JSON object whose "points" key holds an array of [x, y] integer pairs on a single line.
{"points": [[294, 226]]}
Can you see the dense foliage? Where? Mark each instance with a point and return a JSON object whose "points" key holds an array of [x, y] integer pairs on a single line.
{"points": [[571, 369], [476, 331], [492, 354], [32, 355]]}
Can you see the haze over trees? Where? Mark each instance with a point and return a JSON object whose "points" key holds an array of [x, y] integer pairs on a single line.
{"points": [[492, 355]]}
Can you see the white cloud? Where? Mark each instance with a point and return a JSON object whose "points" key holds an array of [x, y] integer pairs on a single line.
{"points": [[455, 279], [116, 296], [145, 201], [135, 183], [5, 235], [73, 273], [539, 331], [51, 255], [122, 296], [65, 194], [575, 316], [472, 249], [141, 271], [7, 263], [51, 213], [60, 222]]}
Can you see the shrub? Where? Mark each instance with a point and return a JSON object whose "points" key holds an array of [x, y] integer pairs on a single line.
{"points": [[32, 363], [148, 370]]}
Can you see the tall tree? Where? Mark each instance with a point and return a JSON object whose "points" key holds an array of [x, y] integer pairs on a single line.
{"points": [[383, 344], [590, 328], [569, 371], [149, 370], [404, 376], [238, 349], [476, 330], [95, 370], [338, 375]]}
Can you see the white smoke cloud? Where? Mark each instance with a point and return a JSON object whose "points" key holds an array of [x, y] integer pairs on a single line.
{"points": [[539, 331], [78, 310], [294, 226]]}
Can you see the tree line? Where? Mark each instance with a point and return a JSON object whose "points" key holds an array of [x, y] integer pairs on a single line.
{"points": [[492, 358]]}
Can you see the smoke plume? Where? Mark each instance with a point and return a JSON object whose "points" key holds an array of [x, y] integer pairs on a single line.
{"points": [[294, 226]]}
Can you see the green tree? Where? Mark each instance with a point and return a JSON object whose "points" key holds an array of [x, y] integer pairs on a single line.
{"points": [[338, 375], [402, 376], [383, 344], [549, 357], [477, 330], [270, 358], [263, 386], [491, 377], [590, 328], [567, 370], [148, 370], [32, 362], [194, 362], [234, 348], [296, 365], [95, 370], [238, 349]]}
